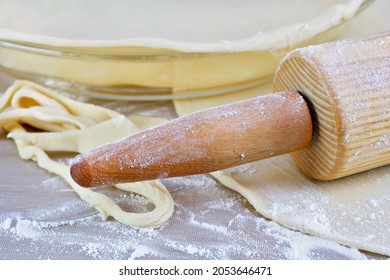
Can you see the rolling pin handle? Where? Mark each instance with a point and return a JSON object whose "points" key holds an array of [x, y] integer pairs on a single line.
{"points": [[202, 142]]}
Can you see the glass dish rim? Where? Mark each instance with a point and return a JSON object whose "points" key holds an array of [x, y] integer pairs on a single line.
{"points": [[80, 52]]}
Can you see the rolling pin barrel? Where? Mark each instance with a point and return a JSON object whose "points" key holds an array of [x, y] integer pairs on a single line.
{"points": [[347, 87]]}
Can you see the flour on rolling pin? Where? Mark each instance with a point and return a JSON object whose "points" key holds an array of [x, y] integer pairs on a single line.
{"points": [[346, 87], [203, 142]]}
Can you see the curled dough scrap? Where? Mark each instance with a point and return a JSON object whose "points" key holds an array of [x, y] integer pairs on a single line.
{"points": [[72, 126]]}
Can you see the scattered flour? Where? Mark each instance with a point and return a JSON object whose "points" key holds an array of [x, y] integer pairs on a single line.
{"points": [[220, 225], [7, 223], [28, 229], [140, 252]]}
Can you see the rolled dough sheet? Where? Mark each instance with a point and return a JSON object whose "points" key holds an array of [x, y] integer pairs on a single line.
{"points": [[351, 211]]}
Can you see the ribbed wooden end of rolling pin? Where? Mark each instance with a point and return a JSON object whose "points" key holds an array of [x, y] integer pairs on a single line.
{"points": [[347, 86], [202, 142]]}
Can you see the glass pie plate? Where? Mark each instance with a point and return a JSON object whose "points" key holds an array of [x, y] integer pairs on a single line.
{"points": [[155, 50]]}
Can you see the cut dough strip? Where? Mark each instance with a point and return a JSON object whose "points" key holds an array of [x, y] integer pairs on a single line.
{"points": [[76, 127]]}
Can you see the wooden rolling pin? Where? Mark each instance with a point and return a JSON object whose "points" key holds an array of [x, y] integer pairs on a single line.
{"points": [[332, 113]]}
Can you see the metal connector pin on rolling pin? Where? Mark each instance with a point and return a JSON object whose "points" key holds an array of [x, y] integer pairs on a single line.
{"points": [[331, 113]]}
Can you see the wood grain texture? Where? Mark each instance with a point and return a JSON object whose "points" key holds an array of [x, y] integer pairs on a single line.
{"points": [[202, 142], [347, 86]]}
